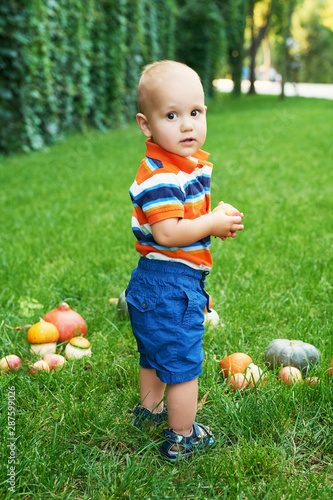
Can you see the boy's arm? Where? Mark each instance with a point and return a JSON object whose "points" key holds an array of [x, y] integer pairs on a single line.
{"points": [[181, 232]]}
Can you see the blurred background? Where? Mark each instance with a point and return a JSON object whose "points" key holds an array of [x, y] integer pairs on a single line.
{"points": [[66, 65]]}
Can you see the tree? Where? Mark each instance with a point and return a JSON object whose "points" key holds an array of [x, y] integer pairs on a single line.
{"points": [[312, 28], [200, 38], [258, 33], [234, 15]]}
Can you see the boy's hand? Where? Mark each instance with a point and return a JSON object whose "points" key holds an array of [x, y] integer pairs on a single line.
{"points": [[226, 221]]}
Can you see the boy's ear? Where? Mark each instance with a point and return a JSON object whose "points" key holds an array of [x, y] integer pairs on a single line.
{"points": [[142, 121]]}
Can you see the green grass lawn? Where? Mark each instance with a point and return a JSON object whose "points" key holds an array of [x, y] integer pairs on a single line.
{"points": [[65, 236]]}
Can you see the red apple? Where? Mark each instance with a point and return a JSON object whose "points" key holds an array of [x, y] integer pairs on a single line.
{"points": [[253, 375], [10, 363], [330, 371], [238, 382], [289, 375], [230, 210], [312, 381], [54, 361], [39, 366]]}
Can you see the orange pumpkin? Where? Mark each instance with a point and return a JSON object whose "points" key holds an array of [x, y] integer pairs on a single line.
{"points": [[235, 363], [42, 332]]}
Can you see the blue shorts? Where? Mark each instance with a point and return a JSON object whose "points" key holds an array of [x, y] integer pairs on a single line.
{"points": [[166, 302]]}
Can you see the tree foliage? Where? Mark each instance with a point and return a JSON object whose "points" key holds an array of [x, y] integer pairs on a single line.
{"points": [[234, 13], [312, 28], [200, 38]]}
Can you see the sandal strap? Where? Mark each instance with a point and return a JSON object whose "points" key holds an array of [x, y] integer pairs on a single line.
{"points": [[143, 414], [187, 445]]}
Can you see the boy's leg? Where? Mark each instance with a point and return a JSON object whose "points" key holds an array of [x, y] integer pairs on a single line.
{"points": [[151, 390], [182, 405]]}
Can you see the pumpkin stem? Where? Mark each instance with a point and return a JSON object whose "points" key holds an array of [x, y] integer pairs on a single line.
{"points": [[64, 306]]}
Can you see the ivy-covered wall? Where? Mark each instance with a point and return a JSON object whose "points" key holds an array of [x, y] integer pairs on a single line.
{"points": [[67, 64]]}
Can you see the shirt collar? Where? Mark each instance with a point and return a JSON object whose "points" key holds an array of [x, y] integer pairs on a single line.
{"points": [[185, 164]]}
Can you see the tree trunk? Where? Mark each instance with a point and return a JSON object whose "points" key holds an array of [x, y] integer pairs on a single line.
{"points": [[256, 41], [286, 66], [253, 52]]}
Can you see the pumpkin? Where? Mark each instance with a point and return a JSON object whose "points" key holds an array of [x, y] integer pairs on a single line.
{"points": [[77, 348], [43, 337], [283, 352], [68, 322], [235, 363]]}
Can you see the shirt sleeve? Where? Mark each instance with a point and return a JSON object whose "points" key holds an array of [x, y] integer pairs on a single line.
{"points": [[160, 197]]}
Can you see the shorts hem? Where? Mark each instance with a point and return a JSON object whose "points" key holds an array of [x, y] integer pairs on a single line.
{"points": [[175, 378]]}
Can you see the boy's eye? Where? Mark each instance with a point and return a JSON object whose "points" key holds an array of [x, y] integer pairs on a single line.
{"points": [[195, 112], [171, 116]]}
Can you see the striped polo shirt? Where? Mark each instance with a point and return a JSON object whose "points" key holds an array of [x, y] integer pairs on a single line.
{"points": [[171, 186]]}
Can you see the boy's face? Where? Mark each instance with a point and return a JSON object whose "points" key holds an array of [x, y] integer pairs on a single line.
{"points": [[175, 113]]}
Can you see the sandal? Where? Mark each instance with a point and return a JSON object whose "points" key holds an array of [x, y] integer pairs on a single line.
{"points": [[145, 417], [194, 443]]}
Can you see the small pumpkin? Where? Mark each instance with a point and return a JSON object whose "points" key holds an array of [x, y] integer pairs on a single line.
{"points": [[77, 348], [283, 352], [235, 363], [43, 337]]}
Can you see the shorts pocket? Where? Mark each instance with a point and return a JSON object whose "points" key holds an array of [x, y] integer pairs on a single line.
{"points": [[195, 308], [140, 301]]}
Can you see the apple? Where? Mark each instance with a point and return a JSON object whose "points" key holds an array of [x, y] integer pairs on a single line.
{"points": [[227, 209], [54, 361], [238, 382], [330, 371], [289, 375], [39, 366], [10, 363], [312, 381], [219, 207], [253, 375]]}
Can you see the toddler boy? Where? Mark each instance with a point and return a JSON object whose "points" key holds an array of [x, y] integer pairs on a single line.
{"points": [[173, 223]]}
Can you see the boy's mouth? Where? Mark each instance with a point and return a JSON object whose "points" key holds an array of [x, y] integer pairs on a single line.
{"points": [[189, 140]]}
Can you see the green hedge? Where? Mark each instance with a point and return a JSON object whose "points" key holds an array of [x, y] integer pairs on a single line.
{"points": [[65, 65]]}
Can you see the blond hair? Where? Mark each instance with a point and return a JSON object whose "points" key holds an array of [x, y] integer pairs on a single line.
{"points": [[153, 74]]}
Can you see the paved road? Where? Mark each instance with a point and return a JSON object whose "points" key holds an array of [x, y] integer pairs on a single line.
{"points": [[322, 91]]}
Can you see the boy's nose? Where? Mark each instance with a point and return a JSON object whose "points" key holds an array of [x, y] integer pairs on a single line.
{"points": [[186, 124]]}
